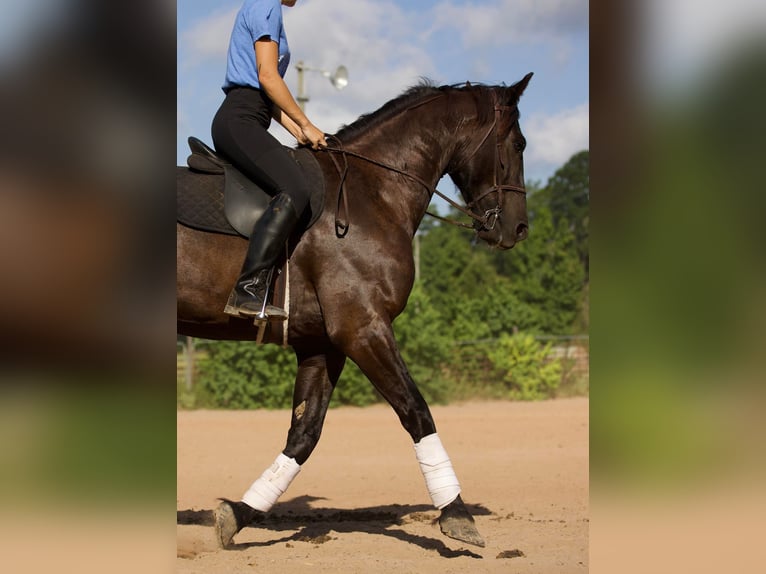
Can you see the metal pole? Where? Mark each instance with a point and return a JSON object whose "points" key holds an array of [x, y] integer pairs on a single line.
{"points": [[417, 258], [302, 97], [189, 348]]}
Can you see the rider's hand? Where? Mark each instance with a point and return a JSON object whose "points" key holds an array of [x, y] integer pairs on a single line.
{"points": [[312, 136]]}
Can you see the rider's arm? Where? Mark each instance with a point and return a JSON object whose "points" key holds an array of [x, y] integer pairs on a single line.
{"points": [[266, 59], [288, 123]]}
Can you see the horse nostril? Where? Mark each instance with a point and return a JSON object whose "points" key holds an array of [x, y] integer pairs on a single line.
{"points": [[521, 231]]}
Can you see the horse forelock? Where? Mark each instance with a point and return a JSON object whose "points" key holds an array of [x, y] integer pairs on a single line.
{"points": [[483, 96]]}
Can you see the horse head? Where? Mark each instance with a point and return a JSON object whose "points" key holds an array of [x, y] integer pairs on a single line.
{"points": [[488, 166]]}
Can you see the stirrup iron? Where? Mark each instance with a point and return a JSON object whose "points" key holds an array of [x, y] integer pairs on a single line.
{"points": [[262, 316]]}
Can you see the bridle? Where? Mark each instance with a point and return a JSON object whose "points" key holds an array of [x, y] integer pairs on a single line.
{"points": [[488, 221], [481, 222]]}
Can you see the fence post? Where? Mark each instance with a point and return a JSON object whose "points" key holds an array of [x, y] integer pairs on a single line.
{"points": [[189, 352]]}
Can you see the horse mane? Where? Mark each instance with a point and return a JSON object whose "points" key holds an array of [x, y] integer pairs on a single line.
{"points": [[411, 97]]}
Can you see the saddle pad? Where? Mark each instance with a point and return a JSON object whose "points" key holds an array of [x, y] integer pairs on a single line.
{"points": [[200, 202]]}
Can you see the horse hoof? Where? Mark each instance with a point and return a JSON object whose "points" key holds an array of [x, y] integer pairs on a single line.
{"points": [[225, 524], [456, 522], [463, 530]]}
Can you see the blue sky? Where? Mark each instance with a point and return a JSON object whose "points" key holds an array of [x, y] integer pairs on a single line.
{"points": [[388, 45]]}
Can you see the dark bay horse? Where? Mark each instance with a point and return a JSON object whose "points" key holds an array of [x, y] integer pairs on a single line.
{"points": [[346, 291]]}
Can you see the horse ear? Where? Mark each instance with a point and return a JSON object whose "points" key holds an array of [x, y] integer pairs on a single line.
{"points": [[515, 91]]}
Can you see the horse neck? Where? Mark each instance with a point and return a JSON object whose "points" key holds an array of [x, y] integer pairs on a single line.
{"points": [[426, 140]]}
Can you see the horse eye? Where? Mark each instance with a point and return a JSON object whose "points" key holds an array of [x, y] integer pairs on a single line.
{"points": [[520, 145]]}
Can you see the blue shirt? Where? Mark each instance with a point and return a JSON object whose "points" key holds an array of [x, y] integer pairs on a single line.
{"points": [[256, 19]]}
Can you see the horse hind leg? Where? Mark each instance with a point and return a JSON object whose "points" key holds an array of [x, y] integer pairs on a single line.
{"points": [[378, 357], [317, 376], [318, 373]]}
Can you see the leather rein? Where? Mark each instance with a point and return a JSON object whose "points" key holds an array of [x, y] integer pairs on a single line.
{"points": [[487, 221]]}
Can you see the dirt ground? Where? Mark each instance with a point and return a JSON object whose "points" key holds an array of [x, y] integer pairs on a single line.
{"points": [[360, 503]]}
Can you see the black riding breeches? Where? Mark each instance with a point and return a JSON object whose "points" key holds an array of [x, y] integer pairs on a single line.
{"points": [[240, 133]]}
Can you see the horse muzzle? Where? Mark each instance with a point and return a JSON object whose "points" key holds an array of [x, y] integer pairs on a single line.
{"points": [[493, 230]]}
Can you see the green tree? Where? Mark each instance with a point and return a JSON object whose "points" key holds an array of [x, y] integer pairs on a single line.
{"points": [[243, 375], [424, 345], [525, 370], [548, 275], [454, 270], [493, 313], [354, 388], [568, 197]]}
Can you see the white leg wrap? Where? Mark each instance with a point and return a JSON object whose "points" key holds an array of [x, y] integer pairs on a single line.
{"points": [[435, 464], [265, 491]]}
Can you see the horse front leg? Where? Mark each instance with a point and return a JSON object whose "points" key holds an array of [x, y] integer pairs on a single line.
{"points": [[317, 376], [377, 355]]}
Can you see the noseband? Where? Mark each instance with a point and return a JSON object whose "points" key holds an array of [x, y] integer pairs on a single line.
{"points": [[486, 222]]}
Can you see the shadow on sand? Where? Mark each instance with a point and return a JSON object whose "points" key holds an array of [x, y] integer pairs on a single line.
{"points": [[315, 524]]}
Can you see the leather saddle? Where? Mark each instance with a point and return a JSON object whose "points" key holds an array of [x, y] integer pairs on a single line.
{"points": [[213, 195]]}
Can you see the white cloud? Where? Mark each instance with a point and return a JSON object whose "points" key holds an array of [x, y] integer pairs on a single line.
{"points": [[553, 139], [372, 38], [512, 21], [209, 37]]}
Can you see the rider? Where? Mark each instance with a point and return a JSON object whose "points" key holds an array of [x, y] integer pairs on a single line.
{"points": [[255, 92]]}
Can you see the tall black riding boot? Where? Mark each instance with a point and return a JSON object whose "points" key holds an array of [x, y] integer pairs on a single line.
{"points": [[267, 242]]}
